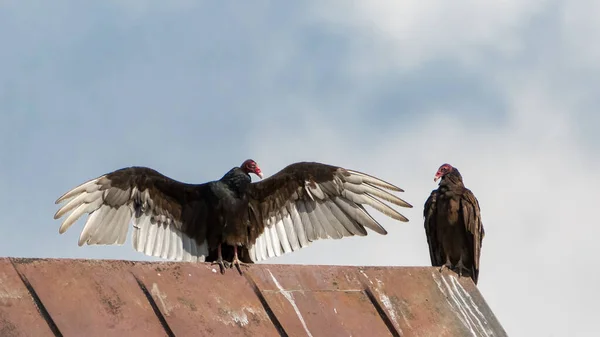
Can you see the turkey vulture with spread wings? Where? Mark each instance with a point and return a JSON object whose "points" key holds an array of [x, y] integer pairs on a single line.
{"points": [[453, 224], [301, 203]]}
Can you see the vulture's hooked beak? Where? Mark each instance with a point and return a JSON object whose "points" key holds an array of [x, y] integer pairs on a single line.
{"points": [[259, 174]]}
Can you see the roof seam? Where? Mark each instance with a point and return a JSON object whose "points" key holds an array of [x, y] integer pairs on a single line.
{"points": [[41, 308], [386, 319], [159, 315], [266, 306]]}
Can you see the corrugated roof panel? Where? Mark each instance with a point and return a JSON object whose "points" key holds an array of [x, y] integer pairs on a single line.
{"points": [[91, 298], [117, 298], [19, 315], [319, 301], [197, 300], [422, 302]]}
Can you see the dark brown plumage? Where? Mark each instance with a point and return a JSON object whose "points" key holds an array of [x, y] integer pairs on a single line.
{"points": [[231, 217], [453, 224]]}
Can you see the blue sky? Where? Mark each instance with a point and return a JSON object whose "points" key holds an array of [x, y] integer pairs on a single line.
{"points": [[505, 92]]}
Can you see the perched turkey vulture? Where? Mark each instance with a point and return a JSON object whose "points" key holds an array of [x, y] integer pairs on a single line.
{"points": [[453, 224], [302, 203]]}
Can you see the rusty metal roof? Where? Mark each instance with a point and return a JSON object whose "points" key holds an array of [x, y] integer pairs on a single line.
{"points": [[64, 297]]}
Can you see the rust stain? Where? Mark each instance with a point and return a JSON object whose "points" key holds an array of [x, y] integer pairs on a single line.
{"points": [[111, 298]]}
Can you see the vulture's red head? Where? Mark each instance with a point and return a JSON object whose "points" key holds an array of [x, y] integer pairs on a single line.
{"points": [[442, 171], [250, 166]]}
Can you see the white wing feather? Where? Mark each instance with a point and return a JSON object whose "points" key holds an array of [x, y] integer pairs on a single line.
{"points": [[155, 232], [331, 210]]}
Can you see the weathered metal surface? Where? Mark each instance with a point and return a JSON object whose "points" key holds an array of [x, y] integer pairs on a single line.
{"points": [[196, 300], [117, 298], [422, 302], [319, 301], [91, 298], [19, 315]]}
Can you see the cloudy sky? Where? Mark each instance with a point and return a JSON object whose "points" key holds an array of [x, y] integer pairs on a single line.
{"points": [[507, 92]]}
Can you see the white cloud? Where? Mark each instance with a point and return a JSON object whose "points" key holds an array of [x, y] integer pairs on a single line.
{"points": [[579, 31], [408, 33]]}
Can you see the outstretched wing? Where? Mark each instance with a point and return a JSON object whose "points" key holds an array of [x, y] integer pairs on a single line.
{"points": [[168, 217], [430, 214], [472, 222], [305, 202]]}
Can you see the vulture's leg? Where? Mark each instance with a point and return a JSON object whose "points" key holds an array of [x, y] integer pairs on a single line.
{"points": [[222, 264], [461, 266], [236, 261], [448, 264]]}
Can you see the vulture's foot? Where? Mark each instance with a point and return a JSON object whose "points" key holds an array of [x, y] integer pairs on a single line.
{"points": [[238, 264], [222, 264], [447, 265], [460, 267], [236, 261]]}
